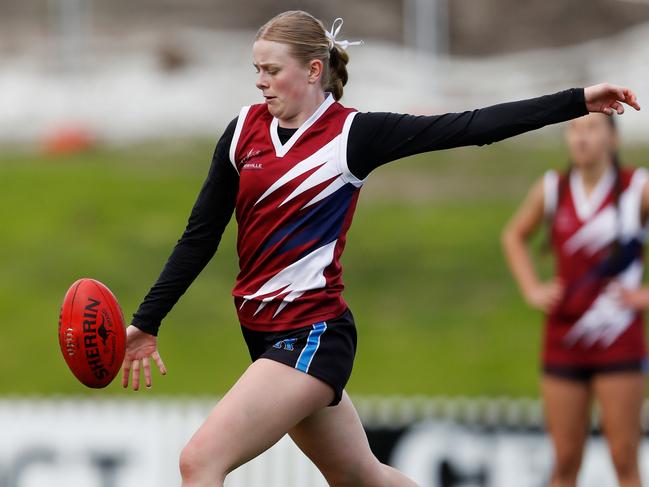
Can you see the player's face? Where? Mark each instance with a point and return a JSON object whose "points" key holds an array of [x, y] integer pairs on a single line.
{"points": [[591, 140], [282, 79]]}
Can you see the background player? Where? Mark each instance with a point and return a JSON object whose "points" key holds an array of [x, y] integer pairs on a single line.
{"points": [[594, 342], [291, 170]]}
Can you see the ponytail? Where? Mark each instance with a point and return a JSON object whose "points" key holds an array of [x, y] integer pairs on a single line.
{"points": [[309, 40], [338, 59]]}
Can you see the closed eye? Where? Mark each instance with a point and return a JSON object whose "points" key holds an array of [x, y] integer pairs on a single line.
{"points": [[270, 69]]}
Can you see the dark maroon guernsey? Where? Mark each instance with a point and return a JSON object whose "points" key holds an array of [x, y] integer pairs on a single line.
{"points": [[295, 190], [294, 207], [597, 243]]}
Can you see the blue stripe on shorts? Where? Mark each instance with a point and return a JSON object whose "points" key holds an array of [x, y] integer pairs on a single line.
{"points": [[312, 343]]}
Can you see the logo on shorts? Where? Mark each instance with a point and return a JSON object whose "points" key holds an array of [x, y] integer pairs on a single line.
{"points": [[287, 344]]}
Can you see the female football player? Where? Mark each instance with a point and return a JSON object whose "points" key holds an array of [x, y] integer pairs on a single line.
{"points": [[594, 339], [291, 169]]}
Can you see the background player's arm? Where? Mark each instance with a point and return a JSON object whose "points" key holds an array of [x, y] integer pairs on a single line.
{"points": [[527, 219], [639, 298]]}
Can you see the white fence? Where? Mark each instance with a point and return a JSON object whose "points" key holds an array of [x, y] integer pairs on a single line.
{"points": [[438, 442]]}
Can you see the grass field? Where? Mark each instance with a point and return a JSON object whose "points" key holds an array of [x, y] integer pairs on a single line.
{"points": [[436, 310]]}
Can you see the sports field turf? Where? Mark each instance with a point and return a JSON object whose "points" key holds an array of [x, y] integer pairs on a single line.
{"points": [[436, 309]]}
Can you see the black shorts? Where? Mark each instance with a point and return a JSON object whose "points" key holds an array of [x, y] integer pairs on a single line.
{"points": [[586, 374], [324, 350]]}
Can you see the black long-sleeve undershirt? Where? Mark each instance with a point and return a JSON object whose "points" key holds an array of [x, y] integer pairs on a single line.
{"points": [[374, 139]]}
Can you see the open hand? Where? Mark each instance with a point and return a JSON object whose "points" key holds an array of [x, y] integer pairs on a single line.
{"points": [[545, 296], [637, 299], [607, 98], [140, 347]]}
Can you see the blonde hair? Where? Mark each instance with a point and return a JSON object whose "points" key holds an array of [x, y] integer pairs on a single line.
{"points": [[308, 41]]}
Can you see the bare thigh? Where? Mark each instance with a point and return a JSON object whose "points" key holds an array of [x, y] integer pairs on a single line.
{"points": [[265, 403], [334, 439], [567, 411]]}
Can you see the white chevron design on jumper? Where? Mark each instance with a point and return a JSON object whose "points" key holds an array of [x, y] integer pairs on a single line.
{"points": [[303, 275], [607, 318], [324, 157], [596, 234], [326, 172]]}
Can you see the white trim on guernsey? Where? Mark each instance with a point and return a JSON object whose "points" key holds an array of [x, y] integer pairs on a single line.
{"points": [[587, 205], [281, 150], [550, 193], [237, 133], [348, 177], [631, 224]]}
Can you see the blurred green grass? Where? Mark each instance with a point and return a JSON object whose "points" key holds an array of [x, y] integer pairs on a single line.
{"points": [[436, 310]]}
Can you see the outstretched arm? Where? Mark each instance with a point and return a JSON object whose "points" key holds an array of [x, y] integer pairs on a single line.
{"points": [[210, 215], [198, 243], [378, 138]]}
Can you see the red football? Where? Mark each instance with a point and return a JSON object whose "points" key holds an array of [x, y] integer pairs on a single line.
{"points": [[91, 333]]}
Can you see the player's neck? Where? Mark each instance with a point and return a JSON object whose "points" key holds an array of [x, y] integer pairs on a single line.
{"points": [[591, 174], [311, 103]]}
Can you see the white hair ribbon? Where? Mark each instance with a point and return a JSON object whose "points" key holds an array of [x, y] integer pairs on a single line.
{"points": [[333, 33]]}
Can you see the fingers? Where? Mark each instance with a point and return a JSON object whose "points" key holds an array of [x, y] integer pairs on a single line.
{"points": [[551, 303], [631, 99], [554, 294], [136, 375], [607, 98], [126, 370], [615, 107], [625, 297], [141, 348], [624, 95], [557, 284], [147, 371], [131, 370], [618, 107], [555, 290], [159, 362]]}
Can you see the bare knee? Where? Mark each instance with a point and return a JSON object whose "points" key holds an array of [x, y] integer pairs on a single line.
{"points": [[196, 469], [625, 460], [370, 473], [566, 467], [191, 464]]}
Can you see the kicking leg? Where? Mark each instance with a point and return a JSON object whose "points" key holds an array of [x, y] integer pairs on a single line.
{"points": [[334, 439], [265, 403]]}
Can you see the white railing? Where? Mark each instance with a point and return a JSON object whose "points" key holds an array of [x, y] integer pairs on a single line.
{"points": [[439, 442]]}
